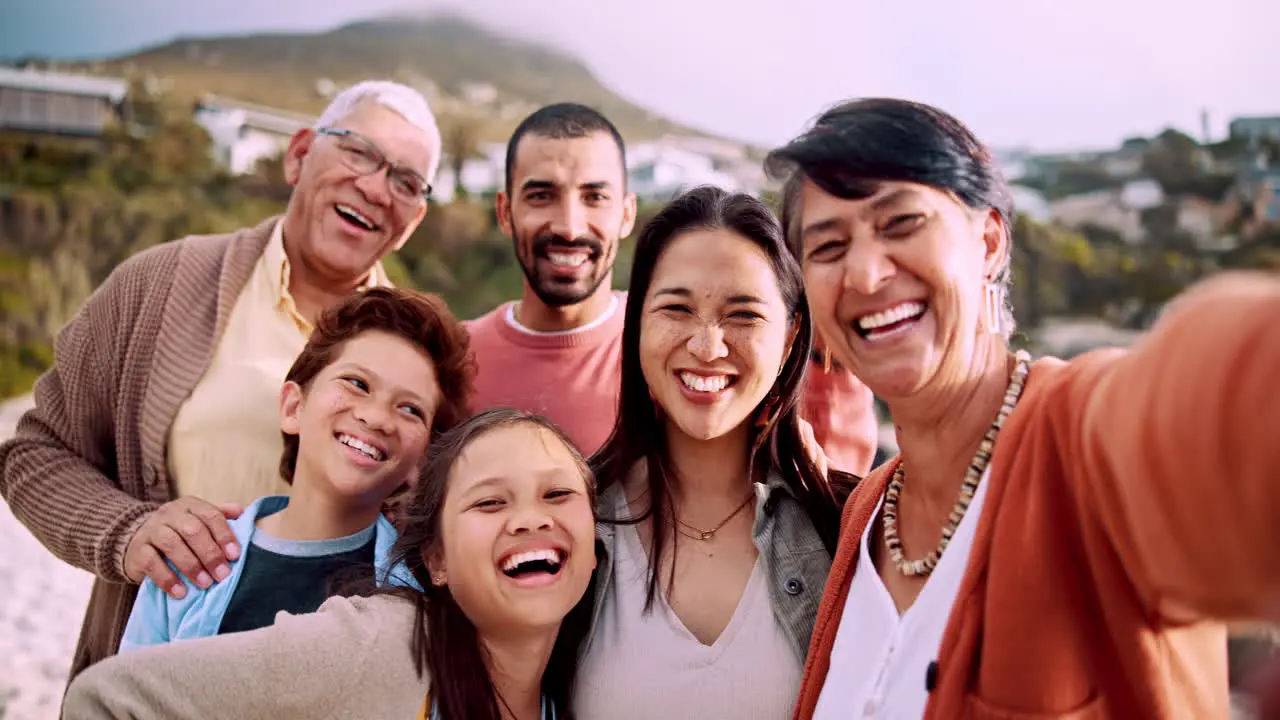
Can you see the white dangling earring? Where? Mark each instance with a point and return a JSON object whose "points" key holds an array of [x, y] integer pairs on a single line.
{"points": [[994, 314]]}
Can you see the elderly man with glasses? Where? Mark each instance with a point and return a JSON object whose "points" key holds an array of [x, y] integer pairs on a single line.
{"points": [[159, 417]]}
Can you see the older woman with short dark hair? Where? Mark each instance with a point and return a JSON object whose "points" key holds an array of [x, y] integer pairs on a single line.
{"points": [[1056, 539]]}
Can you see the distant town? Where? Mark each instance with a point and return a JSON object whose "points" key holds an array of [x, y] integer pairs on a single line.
{"points": [[1109, 190]]}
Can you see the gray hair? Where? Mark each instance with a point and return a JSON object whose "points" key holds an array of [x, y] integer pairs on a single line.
{"points": [[401, 99]]}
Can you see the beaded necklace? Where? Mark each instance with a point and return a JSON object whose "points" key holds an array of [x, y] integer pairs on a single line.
{"points": [[972, 476]]}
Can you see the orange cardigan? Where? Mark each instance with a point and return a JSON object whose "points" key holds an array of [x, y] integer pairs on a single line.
{"points": [[1133, 501]]}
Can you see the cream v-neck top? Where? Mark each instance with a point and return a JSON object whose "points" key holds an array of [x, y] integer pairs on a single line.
{"points": [[644, 666]]}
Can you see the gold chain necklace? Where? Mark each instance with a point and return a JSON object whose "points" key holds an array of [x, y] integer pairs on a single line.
{"points": [[972, 476], [707, 534]]}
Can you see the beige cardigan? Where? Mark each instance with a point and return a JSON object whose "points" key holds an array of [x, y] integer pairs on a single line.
{"points": [[88, 462], [349, 660]]}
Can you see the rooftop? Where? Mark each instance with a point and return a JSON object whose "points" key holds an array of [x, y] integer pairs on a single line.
{"points": [[114, 89]]}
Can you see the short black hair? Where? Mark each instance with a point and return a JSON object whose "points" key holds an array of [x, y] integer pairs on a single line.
{"points": [[559, 121], [858, 144]]}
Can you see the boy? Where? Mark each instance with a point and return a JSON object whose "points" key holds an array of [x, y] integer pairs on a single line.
{"points": [[384, 372]]}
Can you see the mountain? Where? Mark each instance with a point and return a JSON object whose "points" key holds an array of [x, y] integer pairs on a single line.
{"points": [[464, 68]]}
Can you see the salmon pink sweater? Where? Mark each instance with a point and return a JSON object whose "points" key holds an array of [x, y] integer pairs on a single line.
{"points": [[570, 377]]}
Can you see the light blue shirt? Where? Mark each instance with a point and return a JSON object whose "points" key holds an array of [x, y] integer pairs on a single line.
{"points": [[157, 618]]}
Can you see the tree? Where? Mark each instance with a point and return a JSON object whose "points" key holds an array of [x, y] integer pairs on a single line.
{"points": [[461, 133]]}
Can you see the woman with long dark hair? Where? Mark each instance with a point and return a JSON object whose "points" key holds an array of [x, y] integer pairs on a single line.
{"points": [[1055, 539], [718, 528], [500, 533]]}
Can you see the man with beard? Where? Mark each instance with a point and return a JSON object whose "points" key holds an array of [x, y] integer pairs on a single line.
{"points": [[557, 350]]}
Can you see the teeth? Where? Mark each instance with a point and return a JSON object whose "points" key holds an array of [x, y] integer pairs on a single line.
{"points": [[515, 561], [356, 215], [702, 383], [567, 259], [890, 316], [362, 446]]}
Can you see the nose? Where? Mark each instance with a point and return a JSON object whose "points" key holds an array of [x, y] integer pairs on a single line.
{"points": [[373, 415], [570, 220], [530, 518], [375, 187], [707, 343], [867, 267]]}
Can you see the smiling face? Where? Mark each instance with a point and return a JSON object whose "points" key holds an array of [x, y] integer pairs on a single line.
{"points": [[518, 531], [567, 211], [714, 333], [364, 421], [340, 222], [896, 281]]}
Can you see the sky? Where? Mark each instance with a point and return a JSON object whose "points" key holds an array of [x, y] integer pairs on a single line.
{"points": [[1041, 74]]}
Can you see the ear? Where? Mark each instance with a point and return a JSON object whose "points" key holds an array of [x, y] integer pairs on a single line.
{"points": [[995, 236], [413, 225], [291, 396], [298, 149], [502, 210], [628, 215], [435, 567]]}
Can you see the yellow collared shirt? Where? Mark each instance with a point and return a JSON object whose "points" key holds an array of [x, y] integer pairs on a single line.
{"points": [[225, 443]]}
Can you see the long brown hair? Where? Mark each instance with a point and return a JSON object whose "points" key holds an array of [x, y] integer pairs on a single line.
{"points": [[445, 643], [777, 444]]}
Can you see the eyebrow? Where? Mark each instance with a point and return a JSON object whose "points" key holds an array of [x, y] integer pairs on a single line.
{"points": [[889, 199], [892, 198], [733, 299], [536, 184], [551, 473], [348, 366]]}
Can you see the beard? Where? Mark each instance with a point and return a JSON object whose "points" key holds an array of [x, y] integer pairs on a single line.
{"points": [[556, 291]]}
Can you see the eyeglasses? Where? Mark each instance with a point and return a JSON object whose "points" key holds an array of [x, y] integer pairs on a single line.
{"points": [[362, 156]]}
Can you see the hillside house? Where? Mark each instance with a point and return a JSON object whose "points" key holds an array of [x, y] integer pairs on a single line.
{"points": [[1030, 203], [60, 104], [1119, 210], [1257, 188], [659, 171], [243, 133], [1253, 129]]}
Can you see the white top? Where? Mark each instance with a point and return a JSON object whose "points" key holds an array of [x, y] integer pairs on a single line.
{"points": [[880, 659], [650, 666]]}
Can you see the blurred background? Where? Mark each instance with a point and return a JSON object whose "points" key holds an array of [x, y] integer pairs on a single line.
{"points": [[1143, 139]]}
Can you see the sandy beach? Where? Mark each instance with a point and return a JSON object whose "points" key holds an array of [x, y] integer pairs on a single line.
{"points": [[40, 612]]}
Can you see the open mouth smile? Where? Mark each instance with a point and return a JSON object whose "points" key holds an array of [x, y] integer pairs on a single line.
{"points": [[892, 321], [352, 216], [534, 568], [365, 449], [710, 384]]}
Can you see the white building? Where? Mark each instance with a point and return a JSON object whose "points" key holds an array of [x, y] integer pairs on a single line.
{"points": [[1030, 203], [47, 102], [1119, 210], [243, 133], [659, 171]]}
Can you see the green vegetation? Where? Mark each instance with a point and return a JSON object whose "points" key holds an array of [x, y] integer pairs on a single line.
{"points": [[70, 211]]}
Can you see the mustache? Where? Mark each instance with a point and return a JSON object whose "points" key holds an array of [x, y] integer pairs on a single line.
{"points": [[541, 243]]}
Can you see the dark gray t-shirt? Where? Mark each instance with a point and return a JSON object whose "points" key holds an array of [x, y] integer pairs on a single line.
{"points": [[295, 576]]}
